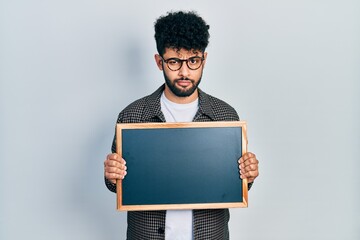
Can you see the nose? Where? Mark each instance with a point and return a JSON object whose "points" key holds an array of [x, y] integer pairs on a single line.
{"points": [[184, 71]]}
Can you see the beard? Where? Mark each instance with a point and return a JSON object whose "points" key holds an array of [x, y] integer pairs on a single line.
{"points": [[180, 91]]}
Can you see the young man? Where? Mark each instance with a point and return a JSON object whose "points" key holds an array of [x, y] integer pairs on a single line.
{"points": [[181, 40]]}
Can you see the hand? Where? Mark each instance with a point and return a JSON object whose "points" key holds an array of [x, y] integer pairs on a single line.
{"points": [[248, 165], [114, 167]]}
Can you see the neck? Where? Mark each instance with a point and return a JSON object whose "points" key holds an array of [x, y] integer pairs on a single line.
{"points": [[180, 100]]}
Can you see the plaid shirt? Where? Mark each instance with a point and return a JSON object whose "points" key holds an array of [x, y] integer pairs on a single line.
{"points": [[208, 223]]}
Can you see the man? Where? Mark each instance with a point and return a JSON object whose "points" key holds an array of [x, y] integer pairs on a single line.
{"points": [[181, 40]]}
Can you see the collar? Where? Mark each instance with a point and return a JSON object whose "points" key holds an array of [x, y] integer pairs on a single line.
{"points": [[153, 108]]}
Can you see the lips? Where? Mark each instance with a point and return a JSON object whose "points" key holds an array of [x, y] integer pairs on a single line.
{"points": [[183, 83]]}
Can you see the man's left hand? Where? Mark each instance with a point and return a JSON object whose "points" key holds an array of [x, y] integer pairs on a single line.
{"points": [[248, 165]]}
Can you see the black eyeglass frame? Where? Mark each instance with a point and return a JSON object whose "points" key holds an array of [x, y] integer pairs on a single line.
{"points": [[182, 61]]}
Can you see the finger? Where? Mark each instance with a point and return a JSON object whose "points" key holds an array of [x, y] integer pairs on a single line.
{"points": [[249, 179], [248, 166], [115, 157], [115, 175], [247, 156], [250, 161], [115, 170], [113, 181], [112, 163], [249, 175], [251, 167]]}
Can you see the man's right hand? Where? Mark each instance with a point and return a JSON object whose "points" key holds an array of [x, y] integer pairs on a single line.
{"points": [[114, 167]]}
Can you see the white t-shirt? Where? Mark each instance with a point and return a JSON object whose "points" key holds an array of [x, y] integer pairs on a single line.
{"points": [[178, 223]]}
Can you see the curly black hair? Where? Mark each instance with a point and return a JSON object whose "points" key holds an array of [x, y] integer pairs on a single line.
{"points": [[179, 30]]}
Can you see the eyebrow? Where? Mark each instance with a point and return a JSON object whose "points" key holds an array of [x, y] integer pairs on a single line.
{"points": [[184, 58]]}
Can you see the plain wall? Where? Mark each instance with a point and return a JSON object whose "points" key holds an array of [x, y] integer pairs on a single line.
{"points": [[290, 69]]}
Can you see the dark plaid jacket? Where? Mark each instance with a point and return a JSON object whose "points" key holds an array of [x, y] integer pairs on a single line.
{"points": [[208, 223]]}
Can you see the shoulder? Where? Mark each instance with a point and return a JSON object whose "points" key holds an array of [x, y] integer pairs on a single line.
{"points": [[218, 103], [133, 111], [221, 110], [142, 109]]}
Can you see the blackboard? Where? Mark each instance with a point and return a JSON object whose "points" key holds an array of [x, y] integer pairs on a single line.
{"points": [[181, 165]]}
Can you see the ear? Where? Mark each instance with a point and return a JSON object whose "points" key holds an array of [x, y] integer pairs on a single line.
{"points": [[159, 61], [205, 56]]}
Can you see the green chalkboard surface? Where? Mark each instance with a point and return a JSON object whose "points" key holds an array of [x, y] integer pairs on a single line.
{"points": [[181, 165]]}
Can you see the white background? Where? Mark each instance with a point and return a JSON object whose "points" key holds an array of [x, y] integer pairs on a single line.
{"points": [[290, 68]]}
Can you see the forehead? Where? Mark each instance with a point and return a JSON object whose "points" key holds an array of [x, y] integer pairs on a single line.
{"points": [[180, 53]]}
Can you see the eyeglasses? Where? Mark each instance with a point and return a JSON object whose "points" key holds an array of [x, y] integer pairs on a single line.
{"points": [[193, 63]]}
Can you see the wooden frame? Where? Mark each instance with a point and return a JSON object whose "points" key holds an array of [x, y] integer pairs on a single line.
{"points": [[142, 145]]}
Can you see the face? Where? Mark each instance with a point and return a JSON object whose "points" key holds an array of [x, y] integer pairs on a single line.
{"points": [[183, 82]]}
